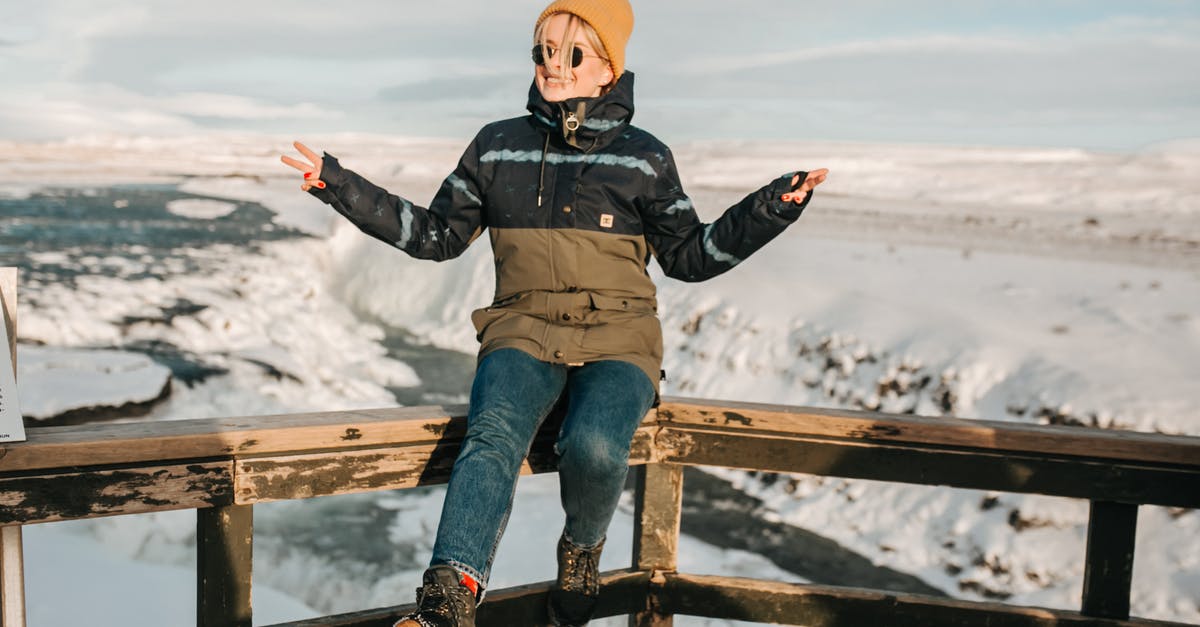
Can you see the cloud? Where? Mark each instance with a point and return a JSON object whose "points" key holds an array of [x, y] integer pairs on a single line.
{"points": [[64, 109], [1123, 81], [1031, 70], [461, 87], [234, 107]]}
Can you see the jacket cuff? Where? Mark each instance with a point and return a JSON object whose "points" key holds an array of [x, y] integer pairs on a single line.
{"points": [[333, 175], [331, 171]]}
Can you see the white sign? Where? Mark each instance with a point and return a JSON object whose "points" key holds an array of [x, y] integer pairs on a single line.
{"points": [[12, 428]]}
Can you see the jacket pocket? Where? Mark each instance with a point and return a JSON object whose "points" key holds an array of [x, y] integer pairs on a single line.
{"points": [[494, 323], [623, 303], [623, 326], [483, 318]]}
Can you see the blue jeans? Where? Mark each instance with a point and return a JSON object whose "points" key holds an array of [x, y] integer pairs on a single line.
{"points": [[512, 394]]}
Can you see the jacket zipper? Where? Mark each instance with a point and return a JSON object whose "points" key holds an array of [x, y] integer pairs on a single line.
{"points": [[571, 121]]}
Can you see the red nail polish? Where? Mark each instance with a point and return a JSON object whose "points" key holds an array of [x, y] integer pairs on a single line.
{"points": [[321, 184], [308, 175], [786, 197]]}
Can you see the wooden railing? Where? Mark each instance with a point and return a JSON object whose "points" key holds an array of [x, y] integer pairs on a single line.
{"points": [[223, 467]]}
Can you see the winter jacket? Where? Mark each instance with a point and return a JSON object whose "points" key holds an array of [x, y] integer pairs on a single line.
{"points": [[575, 201]]}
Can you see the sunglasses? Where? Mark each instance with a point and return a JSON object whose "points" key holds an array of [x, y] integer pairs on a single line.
{"points": [[539, 57]]}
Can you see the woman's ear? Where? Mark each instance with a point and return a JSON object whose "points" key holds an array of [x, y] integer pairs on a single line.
{"points": [[607, 77]]}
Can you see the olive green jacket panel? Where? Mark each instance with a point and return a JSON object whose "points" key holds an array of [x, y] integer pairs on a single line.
{"points": [[576, 201]]}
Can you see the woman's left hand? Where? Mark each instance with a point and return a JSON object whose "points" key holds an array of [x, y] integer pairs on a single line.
{"points": [[311, 170], [814, 178]]}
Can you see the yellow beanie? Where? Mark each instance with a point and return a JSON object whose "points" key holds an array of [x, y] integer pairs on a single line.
{"points": [[612, 19]]}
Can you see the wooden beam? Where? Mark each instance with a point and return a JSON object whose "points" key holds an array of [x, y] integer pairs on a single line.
{"points": [[104, 490], [130, 443], [108, 492], [12, 572], [926, 430], [224, 552], [1169, 485], [51, 448], [658, 507], [621, 592], [282, 477], [825, 606], [12, 551], [1108, 566]]}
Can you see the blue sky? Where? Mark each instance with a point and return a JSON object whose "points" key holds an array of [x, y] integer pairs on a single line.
{"points": [[1095, 74]]}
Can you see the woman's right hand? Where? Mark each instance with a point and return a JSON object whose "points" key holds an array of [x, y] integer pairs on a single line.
{"points": [[310, 170], [798, 194]]}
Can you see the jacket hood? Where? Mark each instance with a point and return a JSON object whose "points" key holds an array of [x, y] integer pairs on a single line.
{"points": [[585, 123]]}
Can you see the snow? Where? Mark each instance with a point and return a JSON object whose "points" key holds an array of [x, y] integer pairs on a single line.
{"points": [[201, 208], [56, 380], [74, 580], [1007, 329], [1038, 285]]}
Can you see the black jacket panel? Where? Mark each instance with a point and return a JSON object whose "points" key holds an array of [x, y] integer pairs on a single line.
{"points": [[576, 200]]}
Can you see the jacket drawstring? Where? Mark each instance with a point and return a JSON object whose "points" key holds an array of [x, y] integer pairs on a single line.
{"points": [[542, 174]]}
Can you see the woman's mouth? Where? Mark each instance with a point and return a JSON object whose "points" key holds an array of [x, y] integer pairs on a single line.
{"points": [[556, 82]]}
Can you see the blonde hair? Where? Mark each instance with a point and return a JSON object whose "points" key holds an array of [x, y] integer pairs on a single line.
{"points": [[575, 25]]}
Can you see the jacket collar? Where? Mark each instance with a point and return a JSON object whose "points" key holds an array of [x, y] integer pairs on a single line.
{"points": [[585, 123]]}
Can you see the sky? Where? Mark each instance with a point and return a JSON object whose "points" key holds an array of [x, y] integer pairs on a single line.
{"points": [[1095, 74]]}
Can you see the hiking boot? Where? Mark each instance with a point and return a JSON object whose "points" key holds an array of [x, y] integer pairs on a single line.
{"points": [[572, 601], [444, 601]]}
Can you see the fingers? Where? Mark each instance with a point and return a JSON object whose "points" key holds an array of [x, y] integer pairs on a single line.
{"points": [[309, 154], [811, 180], [299, 165], [815, 178], [796, 197], [311, 170]]}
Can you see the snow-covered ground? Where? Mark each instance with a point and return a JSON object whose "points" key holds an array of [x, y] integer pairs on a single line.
{"points": [[1021, 284]]}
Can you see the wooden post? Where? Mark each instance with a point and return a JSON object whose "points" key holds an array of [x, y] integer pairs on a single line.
{"points": [[12, 570], [224, 548], [658, 502], [1108, 568], [12, 560]]}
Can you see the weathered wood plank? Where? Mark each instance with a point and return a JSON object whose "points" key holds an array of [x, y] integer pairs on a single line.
{"points": [[57, 447], [909, 463], [825, 606], [658, 498], [287, 477], [1108, 566], [131, 443], [85, 493], [12, 570], [12, 559], [658, 507], [108, 492], [282, 477], [979, 434], [621, 592], [224, 554]]}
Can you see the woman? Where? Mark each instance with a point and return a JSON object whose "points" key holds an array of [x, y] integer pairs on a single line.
{"points": [[575, 201]]}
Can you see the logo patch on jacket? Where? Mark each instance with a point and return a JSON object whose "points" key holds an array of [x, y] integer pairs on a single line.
{"points": [[606, 220]]}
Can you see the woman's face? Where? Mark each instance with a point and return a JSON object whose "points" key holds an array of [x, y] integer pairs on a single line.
{"points": [[579, 82]]}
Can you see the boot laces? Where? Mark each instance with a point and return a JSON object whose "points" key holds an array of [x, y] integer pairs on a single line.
{"points": [[435, 598], [582, 572]]}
